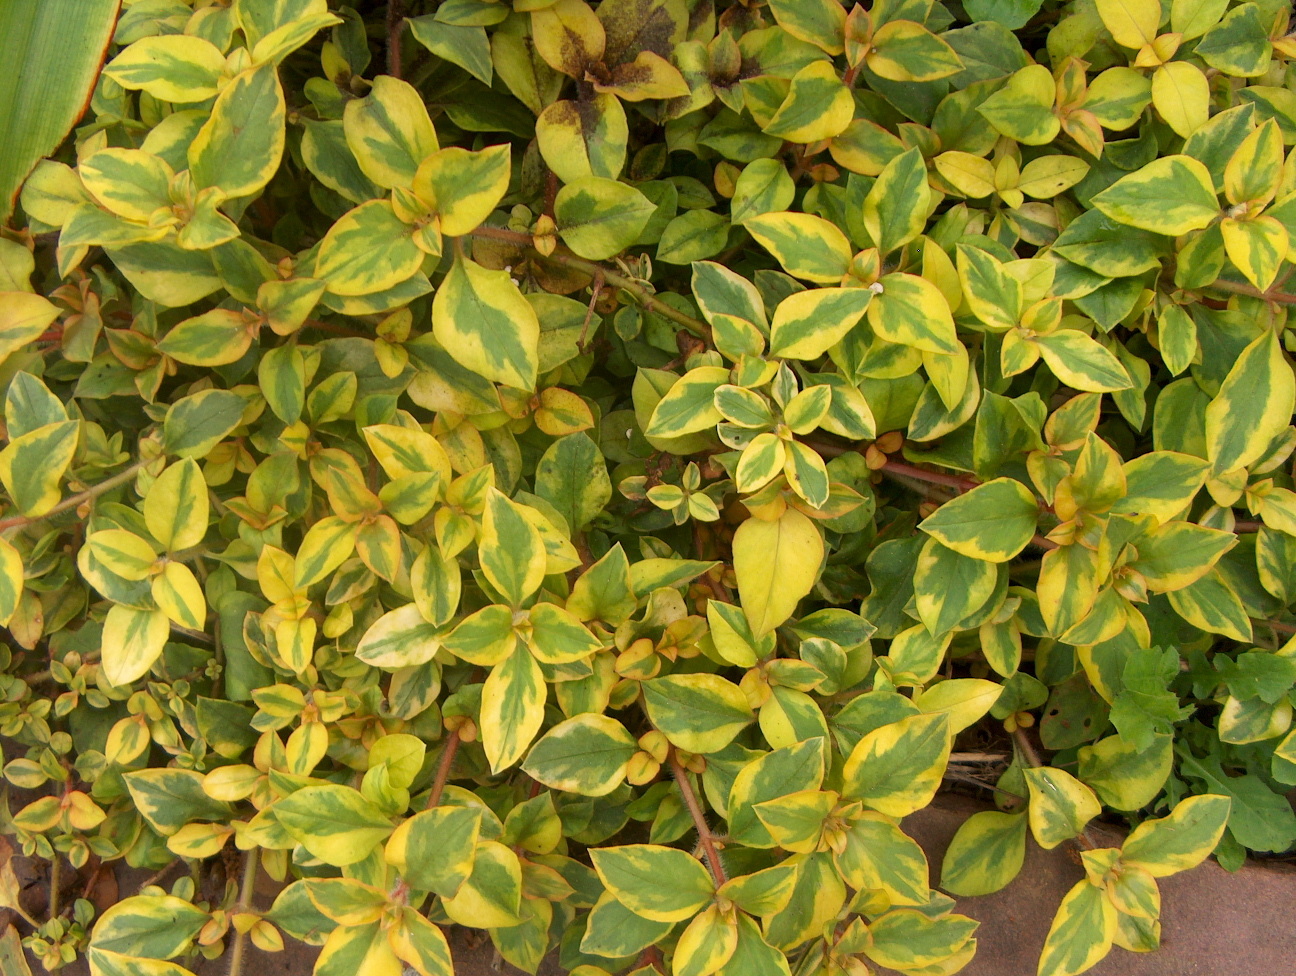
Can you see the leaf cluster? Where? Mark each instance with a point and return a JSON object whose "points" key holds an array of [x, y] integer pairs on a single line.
{"points": [[589, 472]]}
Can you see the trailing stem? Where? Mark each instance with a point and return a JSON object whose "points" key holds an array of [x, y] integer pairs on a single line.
{"points": [[75, 500], [705, 837], [244, 903], [395, 25], [443, 770]]}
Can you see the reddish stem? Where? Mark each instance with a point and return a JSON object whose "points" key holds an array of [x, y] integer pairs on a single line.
{"points": [[443, 770], [705, 837]]}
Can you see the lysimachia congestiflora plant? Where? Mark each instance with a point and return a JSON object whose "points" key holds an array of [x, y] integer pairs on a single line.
{"points": [[589, 472]]}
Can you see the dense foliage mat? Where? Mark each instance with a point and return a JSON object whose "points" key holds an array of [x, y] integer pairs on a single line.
{"points": [[587, 473]]}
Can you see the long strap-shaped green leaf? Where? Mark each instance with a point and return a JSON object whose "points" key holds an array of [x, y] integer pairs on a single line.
{"points": [[52, 51]]}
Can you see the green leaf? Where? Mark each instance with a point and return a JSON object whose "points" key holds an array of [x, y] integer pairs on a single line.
{"points": [[1146, 706], [993, 521], [486, 324], [776, 563], [170, 798], [586, 755], [197, 423], [660, 883], [572, 476], [154, 926], [985, 855], [1254, 403], [598, 217], [1060, 805], [897, 768], [32, 465], [60, 45], [1172, 196], [434, 850], [806, 324], [512, 708], [335, 823], [465, 46], [1081, 933], [239, 147], [697, 712], [1259, 818]]}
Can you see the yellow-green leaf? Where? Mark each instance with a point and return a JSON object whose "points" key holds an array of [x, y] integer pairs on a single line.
{"points": [[463, 187], [776, 563], [482, 319]]}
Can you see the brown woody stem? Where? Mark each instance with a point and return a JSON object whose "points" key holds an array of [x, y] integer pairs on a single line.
{"points": [[395, 25], [443, 770], [1280, 297], [705, 837], [73, 501]]}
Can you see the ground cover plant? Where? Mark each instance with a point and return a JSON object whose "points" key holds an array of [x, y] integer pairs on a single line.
{"points": [[588, 472]]}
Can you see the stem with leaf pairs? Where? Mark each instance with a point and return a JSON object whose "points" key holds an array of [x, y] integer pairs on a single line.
{"points": [[595, 270], [75, 500], [1237, 288]]}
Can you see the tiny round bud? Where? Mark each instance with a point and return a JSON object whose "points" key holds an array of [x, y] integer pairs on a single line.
{"points": [[655, 744], [890, 442], [641, 769]]}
